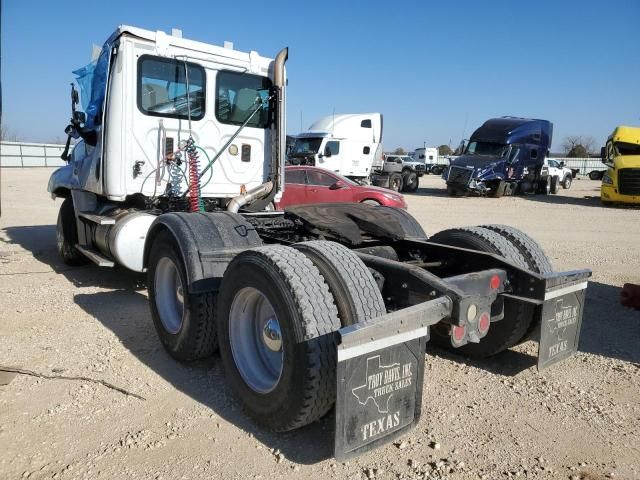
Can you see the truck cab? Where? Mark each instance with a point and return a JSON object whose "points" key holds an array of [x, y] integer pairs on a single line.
{"points": [[146, 95], [348, 144], [621, 182], [504, 156]]}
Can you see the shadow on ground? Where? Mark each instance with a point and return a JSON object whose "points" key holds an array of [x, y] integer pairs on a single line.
{"points": [[608, 329], [125, 312], [559, 199]]}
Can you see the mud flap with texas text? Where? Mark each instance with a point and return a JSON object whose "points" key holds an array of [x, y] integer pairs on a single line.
{"points": [[560, 318]]}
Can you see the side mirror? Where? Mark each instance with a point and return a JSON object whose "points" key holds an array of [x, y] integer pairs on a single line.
{"points": [[562, 164], [327, 153], [603, 155], [338, 185], [79, 118]]}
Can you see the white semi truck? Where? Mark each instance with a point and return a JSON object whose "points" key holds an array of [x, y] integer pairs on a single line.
{"points": [[351, 144], [180, 155]]}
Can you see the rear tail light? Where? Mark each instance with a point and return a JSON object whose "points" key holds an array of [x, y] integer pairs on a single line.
{"points": [[494, 282], [483, 324], [458, 335]]}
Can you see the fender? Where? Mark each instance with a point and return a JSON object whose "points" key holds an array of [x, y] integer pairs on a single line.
{"points": [[207, 243]]}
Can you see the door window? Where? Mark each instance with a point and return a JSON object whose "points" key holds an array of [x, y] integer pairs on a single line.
{"points": [[320, 179], [238, 95], [294, 176], [332, 148], [163, 90]]}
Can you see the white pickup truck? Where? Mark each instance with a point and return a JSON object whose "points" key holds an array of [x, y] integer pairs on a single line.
{"points": [[563, 175]]}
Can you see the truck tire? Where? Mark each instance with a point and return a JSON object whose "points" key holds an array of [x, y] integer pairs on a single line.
{"points": [[67, 235], [596, 174], [451, 191], [410, 226], [536, 259], [499, 189], [395, 182], [437, 169], [276, 321], [544, 187], [410, 181], [184, 321], [554, 185], [566, 183], [533, 254], [518, 316], [355, 291]]}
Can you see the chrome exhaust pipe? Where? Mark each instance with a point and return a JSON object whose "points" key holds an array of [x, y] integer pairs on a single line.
{"points": [[278, 133], [243, 199]]}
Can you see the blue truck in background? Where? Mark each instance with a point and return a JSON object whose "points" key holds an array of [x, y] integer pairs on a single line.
{"points": [[504, 156]]}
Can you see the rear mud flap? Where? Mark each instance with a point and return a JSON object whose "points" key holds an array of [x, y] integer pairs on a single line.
{"points": [[560, 319], [379, 396], [379, 392], [379, 377]]}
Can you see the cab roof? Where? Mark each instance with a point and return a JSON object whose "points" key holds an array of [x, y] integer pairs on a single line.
{"points": [[626, 134]]}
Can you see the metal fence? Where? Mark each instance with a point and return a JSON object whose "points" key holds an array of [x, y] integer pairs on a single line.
{"points": [[584, 165], [21, 154]]}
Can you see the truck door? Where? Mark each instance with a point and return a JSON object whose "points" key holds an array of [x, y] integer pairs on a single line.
{"points": [[295, 188], [330, 156]]}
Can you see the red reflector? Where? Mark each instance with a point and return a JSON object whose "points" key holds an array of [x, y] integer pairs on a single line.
{"points": [[495, 282], [484, 322], [458, 333]]}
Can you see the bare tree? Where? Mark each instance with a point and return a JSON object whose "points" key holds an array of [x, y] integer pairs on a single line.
{"points": [[590, 144], [400, 151], [7, 135], [578, 144]]}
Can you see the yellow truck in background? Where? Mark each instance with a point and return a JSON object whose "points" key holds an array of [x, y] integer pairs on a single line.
{"points": [[621, 182]]}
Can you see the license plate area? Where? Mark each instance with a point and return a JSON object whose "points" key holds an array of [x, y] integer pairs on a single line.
{"points": [[560, 324], [379, 396]]}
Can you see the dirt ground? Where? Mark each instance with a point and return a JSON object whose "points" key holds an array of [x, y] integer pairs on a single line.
{"points": [[491, 419]]}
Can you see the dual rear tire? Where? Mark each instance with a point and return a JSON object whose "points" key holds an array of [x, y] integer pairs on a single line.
{"points": [[278, 311], [273, 319], [521, 250]]}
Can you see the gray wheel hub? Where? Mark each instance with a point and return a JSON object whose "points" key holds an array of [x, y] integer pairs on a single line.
{"points": [[169, 295], [256, 340]]}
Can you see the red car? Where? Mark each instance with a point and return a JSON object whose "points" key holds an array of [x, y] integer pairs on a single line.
{"points": [[316, 185]]}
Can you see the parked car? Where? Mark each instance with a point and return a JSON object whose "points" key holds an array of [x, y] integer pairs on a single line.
{"points": [[305, 184]]}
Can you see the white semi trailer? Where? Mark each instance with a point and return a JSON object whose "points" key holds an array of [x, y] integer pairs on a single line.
{"points": [[320, 307]]}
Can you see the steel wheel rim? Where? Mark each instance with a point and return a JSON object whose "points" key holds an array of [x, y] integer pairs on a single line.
{"points": [[169, 295], [256, 340]]}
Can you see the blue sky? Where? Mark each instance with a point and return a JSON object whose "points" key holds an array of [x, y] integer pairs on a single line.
{"points": [[436, 70]]}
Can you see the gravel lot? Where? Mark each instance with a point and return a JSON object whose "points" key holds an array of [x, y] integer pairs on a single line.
{"points": [[490, 419]]}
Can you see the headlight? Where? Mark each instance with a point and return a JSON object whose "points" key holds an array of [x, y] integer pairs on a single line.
{"points": [[606, 179], [391, 196]]}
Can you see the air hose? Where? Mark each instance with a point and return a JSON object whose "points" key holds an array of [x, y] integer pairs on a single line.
{"points": [[195, 202]]}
